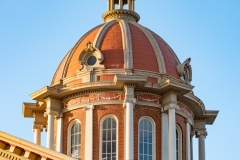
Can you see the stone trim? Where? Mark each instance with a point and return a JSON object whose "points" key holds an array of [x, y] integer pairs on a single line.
{"points": [[156, 48], [101, 33], [120, 14], [127, 45]]}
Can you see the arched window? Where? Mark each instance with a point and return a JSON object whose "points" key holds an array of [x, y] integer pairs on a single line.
{"points": [[146, 139], [108, 141], [178, 143], [74, 139]]}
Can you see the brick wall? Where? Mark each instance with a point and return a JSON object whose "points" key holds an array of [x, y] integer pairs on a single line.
{"points": [[156, 115], [99, 112], [79, 114]]}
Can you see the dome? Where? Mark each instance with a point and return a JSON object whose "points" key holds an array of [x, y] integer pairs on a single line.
{"points": [[123, 45]]}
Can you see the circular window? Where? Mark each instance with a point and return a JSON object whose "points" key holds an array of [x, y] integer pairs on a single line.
{"points": [[91, 60]]}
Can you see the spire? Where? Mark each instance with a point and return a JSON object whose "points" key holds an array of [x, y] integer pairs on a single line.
{"points": [[116, 11]]}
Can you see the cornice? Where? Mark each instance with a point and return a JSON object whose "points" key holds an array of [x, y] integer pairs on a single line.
{"points": [[120, 14]]}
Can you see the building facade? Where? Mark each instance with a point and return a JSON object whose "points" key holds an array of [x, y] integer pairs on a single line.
{"points": [[121, 93]]}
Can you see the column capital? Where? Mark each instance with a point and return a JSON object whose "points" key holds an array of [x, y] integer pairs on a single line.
{"points": [[201, 133], [129, 100], [40, 127], [170, 106], [86, 108], [51, 112]]}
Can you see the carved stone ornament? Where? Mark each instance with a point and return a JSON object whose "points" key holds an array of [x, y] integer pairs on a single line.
{"points": [[201, 133], [185, 70], [120, 14], [170, 106], [51, 112], [88, 52], [129, 100]]}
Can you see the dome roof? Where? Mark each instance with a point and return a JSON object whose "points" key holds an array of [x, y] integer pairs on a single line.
{"points": [[123, 44]]}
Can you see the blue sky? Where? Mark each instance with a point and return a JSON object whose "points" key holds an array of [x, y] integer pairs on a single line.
{"points": [[35, 36]]}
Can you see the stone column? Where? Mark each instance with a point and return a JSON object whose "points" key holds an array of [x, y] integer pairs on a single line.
{"points": [[59, 133], [50, 127], [112, 5], [133, 5], [89, 133], [130, 5], [188, 142], [37, 129], [129, 104], [120, 4], [171, 130], [201, 135]]}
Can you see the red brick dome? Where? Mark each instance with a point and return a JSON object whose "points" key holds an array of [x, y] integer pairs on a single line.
{"points": [[123, 45]]}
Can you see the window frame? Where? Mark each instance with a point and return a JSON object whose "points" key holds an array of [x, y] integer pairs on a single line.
{"points": [[179, 130], [70, 125], [101, 131], [153, 137]]}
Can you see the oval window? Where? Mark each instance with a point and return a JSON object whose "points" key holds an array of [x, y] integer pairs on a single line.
{"points": [[91, 60]]}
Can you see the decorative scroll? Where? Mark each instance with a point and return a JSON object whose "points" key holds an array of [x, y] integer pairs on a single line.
{"points": [[149, 98], [185, 110], [93, 98]]}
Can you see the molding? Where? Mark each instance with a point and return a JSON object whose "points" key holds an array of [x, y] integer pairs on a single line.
{"points": [[129, 100], [101, 33], [94, 103], [127, 45], [120, 14], [78, 94], [49, 98], [155, 46], [149, 104]]}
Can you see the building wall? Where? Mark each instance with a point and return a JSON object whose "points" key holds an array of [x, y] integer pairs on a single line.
{"points": [[79, 114], [156, 115], [100, 111]]}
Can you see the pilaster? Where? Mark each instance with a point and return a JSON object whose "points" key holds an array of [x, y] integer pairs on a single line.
{"points": [[129, 104], [89, 132]]}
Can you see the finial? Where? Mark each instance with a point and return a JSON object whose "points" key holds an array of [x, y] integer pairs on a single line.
{"points": [[116, 11]]}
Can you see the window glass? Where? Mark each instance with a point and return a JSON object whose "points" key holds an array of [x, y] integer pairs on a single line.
{"points": [[91, 60], [145, 141], [109, 139], [76, 140]]}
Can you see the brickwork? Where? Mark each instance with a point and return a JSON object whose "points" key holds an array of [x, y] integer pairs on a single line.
{"points": [[79, 114], [112, 47], [181, 122], [74, 62], [156, 115], [106, 78], [99, 112], [144, 57], [170, 62]]}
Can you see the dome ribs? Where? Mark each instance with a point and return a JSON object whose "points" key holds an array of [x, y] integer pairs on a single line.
{"points": [[112, 47], [74, 63], [170, 62], [144, 57]]}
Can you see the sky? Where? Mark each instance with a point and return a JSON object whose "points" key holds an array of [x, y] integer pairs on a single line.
{"points": [[35, 36]]}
